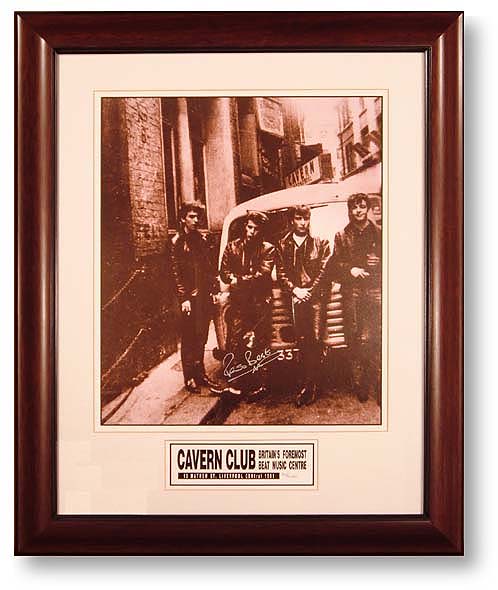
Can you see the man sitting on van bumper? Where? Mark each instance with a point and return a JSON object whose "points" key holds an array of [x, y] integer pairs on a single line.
{"points": [[246, 267], [301, 270]]}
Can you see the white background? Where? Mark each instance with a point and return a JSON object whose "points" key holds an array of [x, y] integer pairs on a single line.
{"points": [[479, 568]]}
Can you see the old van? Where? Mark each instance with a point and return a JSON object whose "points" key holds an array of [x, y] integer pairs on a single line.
{"points": [[329, 214]]}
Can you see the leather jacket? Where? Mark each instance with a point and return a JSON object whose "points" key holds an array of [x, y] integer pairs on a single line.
{"points": [[316, 257], [193, 268], [351, 247], [251, 264]]}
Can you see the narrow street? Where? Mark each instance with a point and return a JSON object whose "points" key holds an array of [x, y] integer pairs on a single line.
{"points": [[311, 152], [332, 408], [162, 399]]}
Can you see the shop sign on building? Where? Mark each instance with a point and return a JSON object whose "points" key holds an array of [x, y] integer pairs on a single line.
{"points": [[270, 118], [309, 173]]}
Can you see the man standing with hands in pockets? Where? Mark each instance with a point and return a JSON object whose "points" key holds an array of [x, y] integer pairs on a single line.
{"points": [[194, 272]]}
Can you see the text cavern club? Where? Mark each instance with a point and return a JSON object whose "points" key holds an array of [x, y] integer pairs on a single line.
{"points": [[237, 458]]}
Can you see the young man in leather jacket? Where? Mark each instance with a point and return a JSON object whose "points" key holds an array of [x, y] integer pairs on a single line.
{"points": [[246, 267], [194, 272], [301, 270], [357, 266]]}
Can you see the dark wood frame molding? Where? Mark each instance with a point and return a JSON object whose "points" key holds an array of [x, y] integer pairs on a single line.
{"points": [[39, 38]]}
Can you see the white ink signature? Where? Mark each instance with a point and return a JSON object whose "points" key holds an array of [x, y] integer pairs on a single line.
{"points": [[234, 371]]}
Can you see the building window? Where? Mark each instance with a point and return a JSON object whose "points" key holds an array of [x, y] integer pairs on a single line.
{"points": [[271, 162], [348, 153], [350, 158], [365, 140]]}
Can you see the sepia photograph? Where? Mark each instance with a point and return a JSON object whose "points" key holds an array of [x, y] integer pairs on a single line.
{"points": [[241, 260], [239, 283]]}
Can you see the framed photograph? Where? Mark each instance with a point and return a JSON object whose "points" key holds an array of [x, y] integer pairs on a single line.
{"points": [[239, 283]]}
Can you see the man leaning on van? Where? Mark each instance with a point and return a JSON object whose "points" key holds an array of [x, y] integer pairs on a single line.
{"points": [[301, 268], [357, 264], [246, 266]]}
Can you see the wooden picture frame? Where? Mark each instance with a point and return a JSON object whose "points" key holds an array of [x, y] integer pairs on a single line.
{"points": [[40, 37]]}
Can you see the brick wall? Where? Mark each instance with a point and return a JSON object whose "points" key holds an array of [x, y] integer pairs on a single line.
{"points": [[146, 174], [139, 308]]}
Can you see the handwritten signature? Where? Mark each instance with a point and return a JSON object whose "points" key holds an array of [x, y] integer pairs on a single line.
{"points": [[233, 370]]}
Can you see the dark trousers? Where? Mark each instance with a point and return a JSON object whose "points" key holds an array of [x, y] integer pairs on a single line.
{"points": [[249, 333], [365, 338], [307, 323], [194, 333]]}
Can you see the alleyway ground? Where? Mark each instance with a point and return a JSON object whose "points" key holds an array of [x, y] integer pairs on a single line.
{"points": [[162, 399]]}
